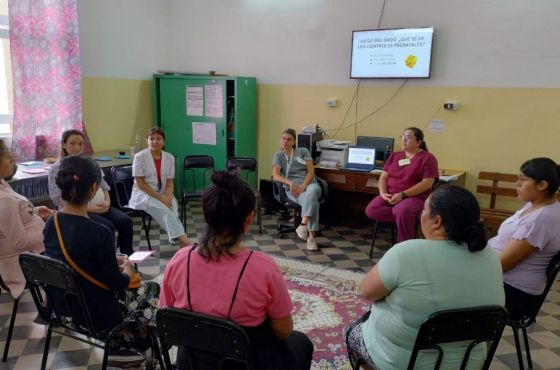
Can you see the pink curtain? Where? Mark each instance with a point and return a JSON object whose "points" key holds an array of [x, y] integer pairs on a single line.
{"points": [[46, 68]]}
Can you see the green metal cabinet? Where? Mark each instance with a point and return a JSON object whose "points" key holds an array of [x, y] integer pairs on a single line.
{"points": [[212, 115]]}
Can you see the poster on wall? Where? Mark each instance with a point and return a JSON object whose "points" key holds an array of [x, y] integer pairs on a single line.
{"points": [[204, 133], [214, 101], [195, 100]]}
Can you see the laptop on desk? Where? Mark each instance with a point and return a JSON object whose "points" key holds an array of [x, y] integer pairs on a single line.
{"points": [[360, 159]]}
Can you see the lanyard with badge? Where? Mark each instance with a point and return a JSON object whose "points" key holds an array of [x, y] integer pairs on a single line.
{"points": [[289, 162]]}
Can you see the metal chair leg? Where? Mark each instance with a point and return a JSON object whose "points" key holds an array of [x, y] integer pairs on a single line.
{"points": [[47, 345], [10, 330], [147, 229], [527, 349], [518, 348], [373, 239]]}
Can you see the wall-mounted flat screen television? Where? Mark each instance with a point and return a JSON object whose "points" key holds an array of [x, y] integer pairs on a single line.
{"points": [[392, 53]]}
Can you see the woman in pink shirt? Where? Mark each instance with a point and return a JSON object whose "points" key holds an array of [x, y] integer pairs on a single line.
{"points": [[404, 185], [222, 278], [21, 226]]}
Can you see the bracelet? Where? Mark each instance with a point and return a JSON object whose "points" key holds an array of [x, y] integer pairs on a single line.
{"points": [[403, 195]]}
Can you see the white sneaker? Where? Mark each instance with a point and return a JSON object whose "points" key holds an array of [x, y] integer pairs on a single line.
{"points": [[301, 231], [312, 244]]}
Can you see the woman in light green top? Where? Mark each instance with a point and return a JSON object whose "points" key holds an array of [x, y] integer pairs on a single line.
{"points": [[451, 268]]}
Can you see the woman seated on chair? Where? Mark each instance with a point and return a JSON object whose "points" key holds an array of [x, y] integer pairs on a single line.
{"points": [[528, 240], [21, 226], [99, 209], [293, 167], [71, 236], [226, 280], [451, 268], [154, 170], [404, 184]]}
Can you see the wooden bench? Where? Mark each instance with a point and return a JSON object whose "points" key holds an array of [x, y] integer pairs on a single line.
{"points": [[491, 216]]}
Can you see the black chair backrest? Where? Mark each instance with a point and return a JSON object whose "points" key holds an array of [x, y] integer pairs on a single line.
{"points": [[123, 180], [198, 161], [476, 324], [202, 162], [244, 166], [58, 283], [225, 341]]}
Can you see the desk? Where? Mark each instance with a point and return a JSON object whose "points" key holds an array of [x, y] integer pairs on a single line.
{"points": [[36, 186], [350, 191]]}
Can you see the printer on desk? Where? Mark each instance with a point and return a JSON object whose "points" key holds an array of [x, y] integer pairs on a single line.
{"points": [[333, 151]]}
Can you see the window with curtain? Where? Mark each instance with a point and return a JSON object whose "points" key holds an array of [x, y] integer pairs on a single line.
{"points": [[45, 53], [6, 92]]}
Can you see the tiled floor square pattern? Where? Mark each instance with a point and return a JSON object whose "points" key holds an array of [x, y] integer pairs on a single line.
{"points": [[345, 246]]}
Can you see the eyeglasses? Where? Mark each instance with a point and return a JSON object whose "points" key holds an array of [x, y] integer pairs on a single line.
{"points": [[407, 138], [523, 178]]}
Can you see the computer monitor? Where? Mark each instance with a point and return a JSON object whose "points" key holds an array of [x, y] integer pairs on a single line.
{"points": [[380, 144]]}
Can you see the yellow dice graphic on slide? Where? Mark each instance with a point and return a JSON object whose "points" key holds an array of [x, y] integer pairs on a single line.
{"points": [[410, 61]]}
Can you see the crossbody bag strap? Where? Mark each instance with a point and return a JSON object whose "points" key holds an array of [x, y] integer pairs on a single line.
{"points": [[237, 284], [76, 268]]}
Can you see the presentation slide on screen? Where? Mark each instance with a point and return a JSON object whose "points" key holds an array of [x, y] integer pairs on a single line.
{"points": [[398, 53], [361, 155]]}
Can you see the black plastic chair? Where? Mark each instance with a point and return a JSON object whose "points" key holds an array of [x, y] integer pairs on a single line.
{"points": [[247, 168], [190, 164], [44, 276], [474, 325], [531, 317], [12, 320], [374, 237], [280, 195], [123, 182], [207, 340]]}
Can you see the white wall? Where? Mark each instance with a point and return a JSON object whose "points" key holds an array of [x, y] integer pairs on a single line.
{"points": [[477, 42], [123, 38]]}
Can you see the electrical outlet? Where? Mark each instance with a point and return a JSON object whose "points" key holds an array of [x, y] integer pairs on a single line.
{"points": [[331, 102], [451, 105]]}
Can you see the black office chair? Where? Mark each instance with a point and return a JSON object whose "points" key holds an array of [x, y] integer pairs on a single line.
{"points": [[190, 164], [211, 343], [248, 168], [531, 317], [45, 275], [12, 320], [289, 223], [474, 325], [123, 182]]}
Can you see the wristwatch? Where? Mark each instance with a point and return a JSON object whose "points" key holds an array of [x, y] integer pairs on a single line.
{"points": [[403, 195]]}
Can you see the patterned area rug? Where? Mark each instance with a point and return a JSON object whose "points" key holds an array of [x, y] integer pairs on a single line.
{"points": [[325, 300]]}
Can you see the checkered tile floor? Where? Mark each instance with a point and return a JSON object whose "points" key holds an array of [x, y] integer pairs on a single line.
{"points": [[345, 246]]}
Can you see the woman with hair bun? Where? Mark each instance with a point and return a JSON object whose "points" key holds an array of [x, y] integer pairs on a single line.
{"points": [[71, 235], [451, 268], [527, 241], [99, 208], [226, 280]]}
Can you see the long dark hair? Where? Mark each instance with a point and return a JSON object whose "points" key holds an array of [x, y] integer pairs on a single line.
{"points": [[543, 169], [226, 205], [460, 213], [75, 177], [419, 135], [65, 136]]}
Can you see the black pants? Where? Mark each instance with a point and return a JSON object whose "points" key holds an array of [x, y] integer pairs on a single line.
{"points": [[519, 303], [116, 220]]}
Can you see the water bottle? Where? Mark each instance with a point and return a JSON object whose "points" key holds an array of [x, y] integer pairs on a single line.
{"points": [[387, 153], [138, 143]]}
